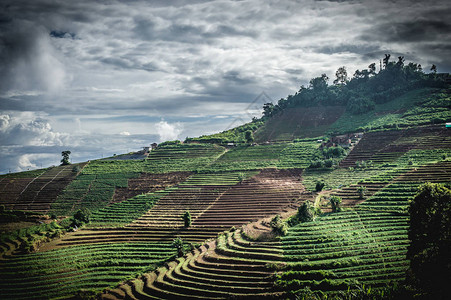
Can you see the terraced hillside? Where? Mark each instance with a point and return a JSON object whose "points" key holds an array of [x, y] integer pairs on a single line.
{"points": [[365, 245], [387, 146], [103, 182], [233, 266], [137, 214], [299, 122], [35, 193], [147, 182], [216, 203], [203, 194]]}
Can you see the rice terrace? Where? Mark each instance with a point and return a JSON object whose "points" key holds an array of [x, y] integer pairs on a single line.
{"points": [[320, 198]]}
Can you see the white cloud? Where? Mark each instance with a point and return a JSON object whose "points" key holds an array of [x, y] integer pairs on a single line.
{"points": [[28, 129], [168, 132]]}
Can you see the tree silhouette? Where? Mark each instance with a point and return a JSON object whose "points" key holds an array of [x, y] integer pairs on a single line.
{"points": [[434, 69], [65, 160], [386, 60], [342, 76]]}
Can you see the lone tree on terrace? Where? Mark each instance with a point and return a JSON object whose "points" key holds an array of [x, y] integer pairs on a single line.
{"points": [[187, 218], [65, 160]]}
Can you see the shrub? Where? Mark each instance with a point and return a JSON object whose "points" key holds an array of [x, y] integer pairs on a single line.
{"points": [[187, 218], [83, 215], [319, 186], [335, 202], [306, 212], [336, 152], [249, 136], [241, 177], [315, 164], [178, 243], [361, 190], [278, 226], [329, 163], [27, 247]]}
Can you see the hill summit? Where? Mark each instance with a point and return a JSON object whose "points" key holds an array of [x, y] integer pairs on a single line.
{"points": [[400, 95]]}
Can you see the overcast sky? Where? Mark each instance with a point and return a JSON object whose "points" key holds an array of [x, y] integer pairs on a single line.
{"points": [[105, 77]]}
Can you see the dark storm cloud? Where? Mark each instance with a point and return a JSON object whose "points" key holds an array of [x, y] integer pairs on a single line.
{"points": [[25, 55], [185, 33], [413, 31], [236, 78], [349, 48], [62, 34]]}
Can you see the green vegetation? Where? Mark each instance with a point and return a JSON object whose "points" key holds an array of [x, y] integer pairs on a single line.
{"points": [[65, 160], [26, 174], [94, 188], [278, 226], [128, 218], [187, 219], [27, 240], [335, 203], [328, 157], [429, 231], [400, 95], [238, 135], [126, 211], [306, 213], [414, 108], [363, 91], [336, 249], [178, 244], [297, 154], [7, 216], [64, 272]]}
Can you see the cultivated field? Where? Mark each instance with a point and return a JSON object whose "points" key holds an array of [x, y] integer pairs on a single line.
{"points": [[137, 206]]}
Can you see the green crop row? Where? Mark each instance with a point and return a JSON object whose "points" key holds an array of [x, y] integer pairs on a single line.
{"points": [[338, 247], [126, 211], [62, 272]]}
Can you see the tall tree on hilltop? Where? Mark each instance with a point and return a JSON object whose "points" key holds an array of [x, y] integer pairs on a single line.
{"points": [[319, 83], [386, 60], [372, 69], [268, 109], [342, 76], [65, 160], [434, 69], [400, 63]]}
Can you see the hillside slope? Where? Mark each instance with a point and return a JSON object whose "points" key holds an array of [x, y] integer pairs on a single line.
{"points": [[205, 219], [416, 107]]}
